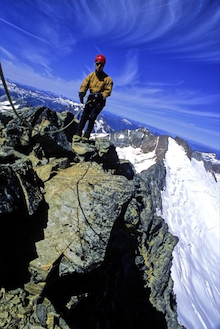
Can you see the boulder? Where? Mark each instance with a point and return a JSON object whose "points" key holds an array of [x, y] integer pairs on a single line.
{"points": [[84, 204]]}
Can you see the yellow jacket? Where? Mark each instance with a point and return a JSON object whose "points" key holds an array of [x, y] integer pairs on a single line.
{"points": [[98, 83]]}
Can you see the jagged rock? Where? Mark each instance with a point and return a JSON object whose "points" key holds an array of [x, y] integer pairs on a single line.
{"points": [[126, 137], [86, 240], [185, 145], [5, 117], [9, 155], [20, 188], [40, 125], [161, 147], [79, 218], [154, 180], [156, 244], [85, 151], [143, 139], [209, 159], [47, 168]]}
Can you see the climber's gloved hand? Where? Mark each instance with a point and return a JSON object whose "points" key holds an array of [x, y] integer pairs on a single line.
{"points": [[81, 96]]}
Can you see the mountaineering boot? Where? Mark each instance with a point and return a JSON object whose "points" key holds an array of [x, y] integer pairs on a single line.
{"points": [[76, 138]]}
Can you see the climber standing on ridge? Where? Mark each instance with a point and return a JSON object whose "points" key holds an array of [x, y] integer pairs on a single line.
{"points": [[100, 86]]}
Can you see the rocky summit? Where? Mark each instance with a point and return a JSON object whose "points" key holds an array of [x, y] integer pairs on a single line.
{"points": [[82, 243]]}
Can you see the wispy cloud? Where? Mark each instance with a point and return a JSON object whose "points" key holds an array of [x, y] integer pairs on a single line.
{"points": [[175, 25], [130, 70], [170, 104], [167, 114], [24, 31], [48, 26], [7, 54]]}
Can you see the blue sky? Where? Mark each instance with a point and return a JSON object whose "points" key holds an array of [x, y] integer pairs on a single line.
{"points": [[162, 55]]}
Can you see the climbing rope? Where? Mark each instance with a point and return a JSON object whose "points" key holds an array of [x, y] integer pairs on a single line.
{"points": [[25, 122], [10, 100]]}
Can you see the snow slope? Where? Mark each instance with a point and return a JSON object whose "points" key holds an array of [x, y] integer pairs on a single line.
{"points": [[140, 160], [191, 208], [5, 106]]}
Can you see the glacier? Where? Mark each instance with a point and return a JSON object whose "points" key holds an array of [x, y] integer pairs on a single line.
{"points": [[191, 208]]}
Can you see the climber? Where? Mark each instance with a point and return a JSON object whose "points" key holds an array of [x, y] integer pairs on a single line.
{"points": [[100, 86]]}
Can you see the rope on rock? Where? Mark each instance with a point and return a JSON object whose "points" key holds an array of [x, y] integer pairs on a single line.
{"points": [[25, 122]]}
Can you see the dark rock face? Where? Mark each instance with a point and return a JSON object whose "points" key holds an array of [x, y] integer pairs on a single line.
{"points": [[82, 244], [186, 147], [143, 139], [210, 165], [155, 237], [22, 216]]}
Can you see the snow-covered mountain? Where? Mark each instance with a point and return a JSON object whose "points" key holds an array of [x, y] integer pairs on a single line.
{"points": [[28, 96], [191, 207]]}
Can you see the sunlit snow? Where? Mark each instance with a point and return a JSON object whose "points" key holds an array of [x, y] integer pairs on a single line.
{"points": [[140, 160], [5, 106], [191, 208], [126, 121]]}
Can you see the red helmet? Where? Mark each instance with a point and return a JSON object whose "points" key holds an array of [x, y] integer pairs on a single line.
{"points": [[101, 59]]}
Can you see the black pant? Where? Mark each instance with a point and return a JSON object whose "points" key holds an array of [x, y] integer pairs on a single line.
{"points": [[90, 114]]}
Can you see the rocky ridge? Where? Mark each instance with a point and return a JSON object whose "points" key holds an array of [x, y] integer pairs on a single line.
{"points": [[148, 142], [82, 243]]}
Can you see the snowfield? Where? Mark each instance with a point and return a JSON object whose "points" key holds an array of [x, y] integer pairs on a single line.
{"points": [[191, 208], [141, 161], [6, 106]]}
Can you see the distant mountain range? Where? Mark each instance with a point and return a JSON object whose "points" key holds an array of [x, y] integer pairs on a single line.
{"points": [[107, 122], [24, 96]]}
